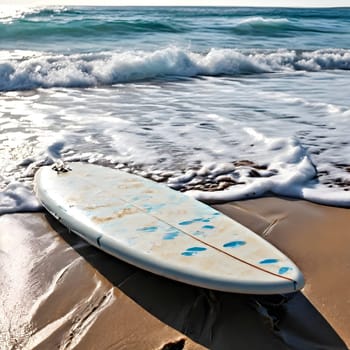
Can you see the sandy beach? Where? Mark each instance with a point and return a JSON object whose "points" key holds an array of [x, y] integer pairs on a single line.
{"points": [[243, 106], [58, 292]]}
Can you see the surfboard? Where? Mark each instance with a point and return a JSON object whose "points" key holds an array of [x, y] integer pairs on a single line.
{"points": [[163, 231]]}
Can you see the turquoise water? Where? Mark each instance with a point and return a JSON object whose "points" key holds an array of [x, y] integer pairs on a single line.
{"points": [[89, 29], [183, 95]]}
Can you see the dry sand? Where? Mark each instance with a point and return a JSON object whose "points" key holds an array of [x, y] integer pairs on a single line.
{"points": [[57, 292]]}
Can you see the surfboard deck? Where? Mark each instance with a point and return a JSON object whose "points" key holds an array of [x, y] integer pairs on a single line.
{"points": [[164, 231]]}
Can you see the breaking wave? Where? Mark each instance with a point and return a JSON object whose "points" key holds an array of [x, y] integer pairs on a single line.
{"points": [[23, 70], [261, 25], [10, 13]]}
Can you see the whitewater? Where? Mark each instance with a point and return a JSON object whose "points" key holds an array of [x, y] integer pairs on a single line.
{"points": [[221, 103]]}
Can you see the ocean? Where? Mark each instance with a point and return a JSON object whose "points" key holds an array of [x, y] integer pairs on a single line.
{"points": [[223, 103]]}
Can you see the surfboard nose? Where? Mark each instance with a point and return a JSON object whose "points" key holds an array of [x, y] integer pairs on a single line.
{"points": [[298, 279]]}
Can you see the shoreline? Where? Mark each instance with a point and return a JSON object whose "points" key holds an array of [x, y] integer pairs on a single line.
{"points": [[58, 290]]}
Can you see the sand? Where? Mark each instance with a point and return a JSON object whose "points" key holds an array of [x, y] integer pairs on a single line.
{"points": [[57, 292]]}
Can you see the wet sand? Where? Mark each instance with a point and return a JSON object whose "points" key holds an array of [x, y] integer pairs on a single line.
{"points": [[57, 292]]}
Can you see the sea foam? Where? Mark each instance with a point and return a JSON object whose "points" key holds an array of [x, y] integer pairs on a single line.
{"points": [[290, 173], [18, 198]]}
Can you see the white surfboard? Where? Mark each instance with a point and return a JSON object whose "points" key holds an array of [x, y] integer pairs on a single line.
{"points": [[164, 231]]}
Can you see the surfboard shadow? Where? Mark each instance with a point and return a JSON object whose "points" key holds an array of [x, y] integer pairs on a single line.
{"points": [[216, 320]]}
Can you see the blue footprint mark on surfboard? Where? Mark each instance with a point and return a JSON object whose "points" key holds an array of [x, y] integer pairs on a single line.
{"points": [[284, 270], [268, 261], [152, 207], [171, 235], [193, 251], [204, 220], [208, 227], [190, 222], [234, 244], [148, 229]]}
